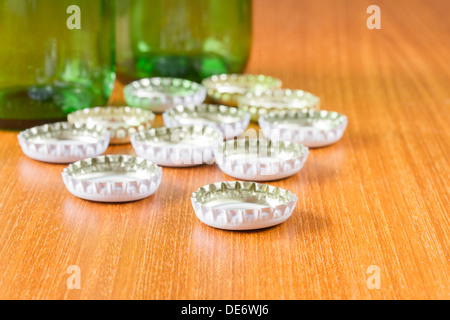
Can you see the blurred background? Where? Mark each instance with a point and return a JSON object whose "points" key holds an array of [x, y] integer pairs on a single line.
{"points": [[58, 57], [378, 197]]}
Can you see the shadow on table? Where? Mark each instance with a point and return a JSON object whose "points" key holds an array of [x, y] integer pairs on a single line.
{"points": [[300, 224], [82, 215]]}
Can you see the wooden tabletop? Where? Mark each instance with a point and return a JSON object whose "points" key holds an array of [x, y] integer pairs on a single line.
{"points": [[380, 197]]}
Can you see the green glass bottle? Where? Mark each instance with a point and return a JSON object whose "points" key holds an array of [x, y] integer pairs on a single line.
{"points": [[55, 57], [191, 39]]}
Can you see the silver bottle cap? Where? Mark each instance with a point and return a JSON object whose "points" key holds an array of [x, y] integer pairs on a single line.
{"points": [[121, 122], [160, 94], [229, 88], [112, 178], [63, 142], [260, 103], [260, 160], [243, 205], [177, 147], [313, 129], [231, 122]]}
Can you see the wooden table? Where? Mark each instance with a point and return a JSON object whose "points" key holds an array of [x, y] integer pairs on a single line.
{"points": [[380, 197]]}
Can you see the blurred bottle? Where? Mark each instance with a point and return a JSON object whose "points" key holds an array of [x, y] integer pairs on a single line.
{"points": [[55, 57], [191, 39]]}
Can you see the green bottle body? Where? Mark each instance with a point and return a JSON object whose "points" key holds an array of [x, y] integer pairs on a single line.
{"points": [[191, 39], [54, 59]]}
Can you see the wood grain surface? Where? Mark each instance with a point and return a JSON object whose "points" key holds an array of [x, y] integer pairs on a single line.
{"points": [[378, 197]]}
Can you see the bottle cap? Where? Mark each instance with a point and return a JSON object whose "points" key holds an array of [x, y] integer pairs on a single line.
{"points": [[160, 94], [313, 129], [231, 122], [228, 88], [63, 142], [243, 205], [177, 147], [121, 122], [260, 160], [260, 103], [112, 178]]}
